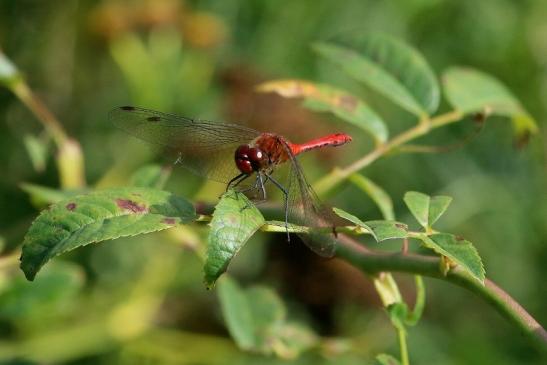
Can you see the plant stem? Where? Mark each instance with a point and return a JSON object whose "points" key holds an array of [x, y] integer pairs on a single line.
{"points": [[338, 175], [401, 334], [373, 262]]}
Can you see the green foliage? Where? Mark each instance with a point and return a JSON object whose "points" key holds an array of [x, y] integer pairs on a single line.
{"points": [[325, 98], [472, 91], [391, 67], [150, 176], [99, 216], [427, 210], [234, 221], [257, 320], [380, 230], [458, 250], [378, 195]]}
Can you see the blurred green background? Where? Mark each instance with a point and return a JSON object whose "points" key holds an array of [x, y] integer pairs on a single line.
{"points": [[142, 300]]}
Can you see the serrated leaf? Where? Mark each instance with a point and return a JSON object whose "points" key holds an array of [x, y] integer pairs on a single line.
{"points": [[99, 216], [325, 98], [376, 193], [37, 150], [458, 250], [426, 209], [150, 176], [471, 91], [385, 230], [389, 66], [234, 221]]}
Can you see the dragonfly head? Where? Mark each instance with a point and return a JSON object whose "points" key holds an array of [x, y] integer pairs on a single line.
{"points": [[249, 159]]}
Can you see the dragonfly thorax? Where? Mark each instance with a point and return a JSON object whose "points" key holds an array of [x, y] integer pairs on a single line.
{"points": [[250, 159]]}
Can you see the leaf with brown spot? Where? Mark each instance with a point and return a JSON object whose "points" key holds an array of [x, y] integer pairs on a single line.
{"points": [[99, 216], [325, 98]]}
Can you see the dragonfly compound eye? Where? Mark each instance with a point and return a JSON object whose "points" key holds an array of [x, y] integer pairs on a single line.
{"points": [[242, 159]]}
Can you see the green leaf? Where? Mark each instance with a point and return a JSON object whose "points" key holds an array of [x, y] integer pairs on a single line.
{"points": [[385, 230], [43, 195], [257, 320], [471, 91], [389, 66], [237, 313], [377, 194], [325, 98], [234, 221], [99, 216], [353, 219], [458, 250], [386, 359], [49, 293], [150, 176], [37, 149], [426, 209]]}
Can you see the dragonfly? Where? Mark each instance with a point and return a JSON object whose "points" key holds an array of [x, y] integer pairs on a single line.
{"points": [[231, 153]]}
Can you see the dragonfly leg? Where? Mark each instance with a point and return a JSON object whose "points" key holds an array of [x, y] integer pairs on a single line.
{"points": [[237, 180], [286, 194]]}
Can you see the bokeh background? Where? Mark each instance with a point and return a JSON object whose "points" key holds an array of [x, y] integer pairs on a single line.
{"points": [[142, 300]]}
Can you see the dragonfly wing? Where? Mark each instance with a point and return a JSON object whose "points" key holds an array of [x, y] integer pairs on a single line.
{"points": [[305, 209], [205, 147]]}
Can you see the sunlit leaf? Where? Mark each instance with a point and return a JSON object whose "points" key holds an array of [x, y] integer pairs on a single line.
{"points": [[234, 221], [389, 66], [150, 176], [325, 98], [387, 289], [471, 91], [426, 209], [99, 216], [458, 250], [377, 194]]}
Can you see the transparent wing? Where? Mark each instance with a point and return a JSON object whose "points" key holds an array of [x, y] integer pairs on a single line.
{"points": [[305, 209], [207, 148]]}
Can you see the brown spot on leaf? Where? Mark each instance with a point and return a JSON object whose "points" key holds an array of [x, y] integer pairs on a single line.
{"points": [[153, 119], [459, 238], [348, 102], [169, 220], [127, 108], [400, 225], [71, 206], [130, 205]]}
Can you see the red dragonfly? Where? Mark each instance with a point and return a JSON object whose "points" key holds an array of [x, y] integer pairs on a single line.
{"points": [[231, 153]]}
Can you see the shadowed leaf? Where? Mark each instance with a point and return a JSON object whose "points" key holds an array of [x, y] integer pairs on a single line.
{"points": [[234, 221]]}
